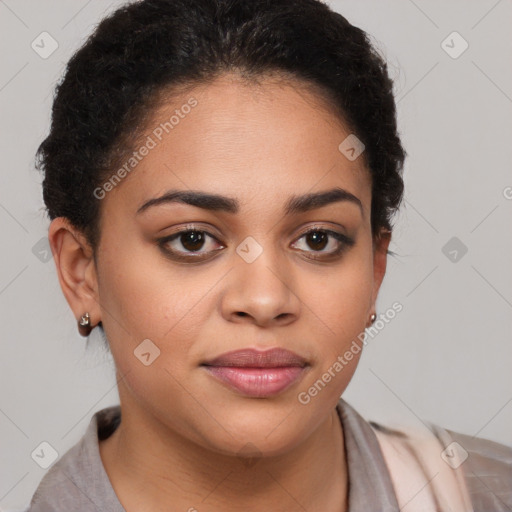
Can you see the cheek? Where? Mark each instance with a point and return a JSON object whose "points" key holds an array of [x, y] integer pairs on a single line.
{"points": [[339, 350], [348, 304], [341, 310], [145, 310], [345, 297], [142, 298]]}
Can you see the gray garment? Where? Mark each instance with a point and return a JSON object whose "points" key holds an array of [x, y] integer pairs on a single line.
{"points": [[78, 481]]}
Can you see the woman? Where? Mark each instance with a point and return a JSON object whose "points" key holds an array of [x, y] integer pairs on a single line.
{"points": [[221, 178]]}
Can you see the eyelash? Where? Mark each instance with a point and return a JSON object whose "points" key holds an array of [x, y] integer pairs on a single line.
{"points": [[344, 241]]}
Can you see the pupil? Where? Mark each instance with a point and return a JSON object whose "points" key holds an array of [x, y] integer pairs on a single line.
{"points": [[193, 240], [318, 237]]}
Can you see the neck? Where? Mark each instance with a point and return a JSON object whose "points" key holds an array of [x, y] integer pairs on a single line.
{"points": [[150, 471]]}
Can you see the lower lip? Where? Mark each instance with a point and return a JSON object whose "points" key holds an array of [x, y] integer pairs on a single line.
{"points": [[257, 382]]}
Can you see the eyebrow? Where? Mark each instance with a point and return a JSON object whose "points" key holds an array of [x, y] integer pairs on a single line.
{"points": [[215, 202]]}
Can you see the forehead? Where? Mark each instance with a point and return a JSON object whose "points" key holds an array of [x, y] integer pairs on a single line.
{"points": [[260, 142]]}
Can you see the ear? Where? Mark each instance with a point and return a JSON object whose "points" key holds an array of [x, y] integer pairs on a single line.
{"points": [[76, 268], [380, 257]]}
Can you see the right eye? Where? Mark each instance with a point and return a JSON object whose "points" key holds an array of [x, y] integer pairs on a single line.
{"points": [[192, 240]]}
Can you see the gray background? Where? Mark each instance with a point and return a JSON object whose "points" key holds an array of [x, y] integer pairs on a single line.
{"points": [[446, 357]]}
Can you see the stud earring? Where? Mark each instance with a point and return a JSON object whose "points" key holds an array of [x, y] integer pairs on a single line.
{"points": [[373, 317], [84, 325], [85, 320]]}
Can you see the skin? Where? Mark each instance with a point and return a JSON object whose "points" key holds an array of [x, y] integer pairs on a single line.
{"points": [[182, 431]]}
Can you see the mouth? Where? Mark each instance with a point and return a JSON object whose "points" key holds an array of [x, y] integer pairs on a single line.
{"points": [[255, 373]]}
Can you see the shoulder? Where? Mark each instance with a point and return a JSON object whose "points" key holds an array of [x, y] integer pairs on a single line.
{"points": [[77, 481], [487, 467], [477, 470], [57, 488]]}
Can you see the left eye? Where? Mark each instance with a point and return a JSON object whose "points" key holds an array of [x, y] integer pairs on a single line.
{"points": [[320, 239]]}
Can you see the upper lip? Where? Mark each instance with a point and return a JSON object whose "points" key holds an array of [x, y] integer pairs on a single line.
{"points": [[252, 358]]}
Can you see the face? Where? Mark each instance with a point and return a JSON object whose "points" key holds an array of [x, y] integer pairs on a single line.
{"points": [[267, 266]]}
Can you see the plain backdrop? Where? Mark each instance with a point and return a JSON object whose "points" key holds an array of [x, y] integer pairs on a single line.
{"points": [[446, 357]]}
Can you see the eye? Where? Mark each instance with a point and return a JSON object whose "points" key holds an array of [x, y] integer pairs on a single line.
{"points": [[325, 242], [192, 241], [196, 244]]}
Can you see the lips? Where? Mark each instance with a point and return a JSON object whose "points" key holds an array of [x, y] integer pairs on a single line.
{"points": [[255, 373], [250, 358]]}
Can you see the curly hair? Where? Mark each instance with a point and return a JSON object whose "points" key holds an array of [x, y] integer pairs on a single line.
{"points": [[151, 47]]}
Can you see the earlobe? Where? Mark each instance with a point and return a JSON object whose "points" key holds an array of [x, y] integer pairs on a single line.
{"points": [[75, 267]]}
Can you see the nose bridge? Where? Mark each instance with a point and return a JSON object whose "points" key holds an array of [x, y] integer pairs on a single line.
{"points": [[262, 266], [261, 282]]}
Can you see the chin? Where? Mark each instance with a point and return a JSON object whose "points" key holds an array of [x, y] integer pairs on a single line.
{"points": [[255, 432], [256, 445]]}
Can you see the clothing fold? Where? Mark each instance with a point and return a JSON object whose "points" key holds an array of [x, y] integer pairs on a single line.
{"points": [[380, 463]]}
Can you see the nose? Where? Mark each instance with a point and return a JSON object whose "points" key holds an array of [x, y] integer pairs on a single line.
{"points": [[261, 292]]}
